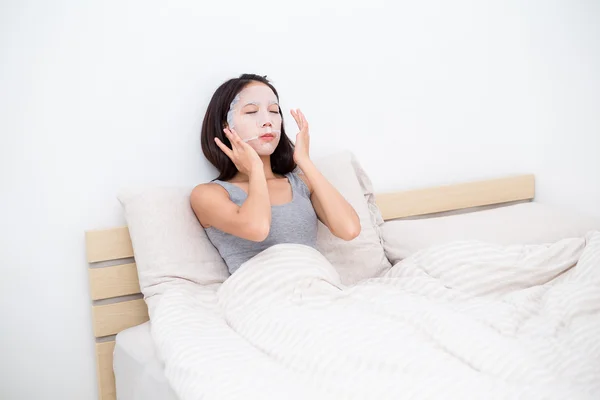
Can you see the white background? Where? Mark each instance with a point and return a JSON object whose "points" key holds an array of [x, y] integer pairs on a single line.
{"points": [[95, 97]]}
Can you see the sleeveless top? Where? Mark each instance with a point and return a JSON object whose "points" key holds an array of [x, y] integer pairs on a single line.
{"points": [[292, 222]]}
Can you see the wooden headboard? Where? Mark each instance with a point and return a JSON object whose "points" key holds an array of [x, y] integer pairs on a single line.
{"points": [[115, 291]]}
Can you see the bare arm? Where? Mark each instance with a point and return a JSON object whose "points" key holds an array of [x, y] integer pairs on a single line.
{"points": [[212, 206], [250, 221], [331, 207]]}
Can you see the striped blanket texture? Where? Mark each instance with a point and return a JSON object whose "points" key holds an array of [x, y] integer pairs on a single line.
{"points": [[463, 320]]}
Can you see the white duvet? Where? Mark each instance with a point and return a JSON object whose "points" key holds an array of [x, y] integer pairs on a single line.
{"points": [[463, 320]]}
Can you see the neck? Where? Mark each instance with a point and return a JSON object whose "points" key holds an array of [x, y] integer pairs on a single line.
{"points": [[266, 160]]}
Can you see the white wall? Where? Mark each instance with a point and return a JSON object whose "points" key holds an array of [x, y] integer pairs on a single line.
{"points": [[94, 97]]}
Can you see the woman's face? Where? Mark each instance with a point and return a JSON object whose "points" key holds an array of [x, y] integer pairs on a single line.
{"points": [[254, 115]]}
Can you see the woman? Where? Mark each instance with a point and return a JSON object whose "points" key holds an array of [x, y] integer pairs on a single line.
{"points": [[258, 199]]}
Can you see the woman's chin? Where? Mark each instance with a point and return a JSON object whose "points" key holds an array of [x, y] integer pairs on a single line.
{"points": [[265, 149], [265, 152]]}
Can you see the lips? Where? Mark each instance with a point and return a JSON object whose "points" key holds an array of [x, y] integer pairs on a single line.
{"points": [[267, 136]]}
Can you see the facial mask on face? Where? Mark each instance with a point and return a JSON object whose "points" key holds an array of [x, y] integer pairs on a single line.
{"points": [[254, 112], [234, 102], [252, 138]]}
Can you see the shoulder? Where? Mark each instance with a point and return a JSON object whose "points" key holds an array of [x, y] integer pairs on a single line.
{"points": [[303, 178], [206, 192], [204, 198]]}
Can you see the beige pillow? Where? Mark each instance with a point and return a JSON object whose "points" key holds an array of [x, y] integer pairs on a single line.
{"points": [[524, 223], [364, 256], [169, 244]]}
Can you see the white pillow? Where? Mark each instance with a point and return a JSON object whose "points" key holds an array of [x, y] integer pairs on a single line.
{"points": [[523, 223], [169, 244], [364, 256]]}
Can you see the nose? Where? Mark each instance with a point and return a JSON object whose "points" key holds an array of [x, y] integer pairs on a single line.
{"points": [[265, 121]]}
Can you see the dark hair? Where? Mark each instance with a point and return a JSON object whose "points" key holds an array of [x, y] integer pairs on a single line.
{"points": [[215, 120]]}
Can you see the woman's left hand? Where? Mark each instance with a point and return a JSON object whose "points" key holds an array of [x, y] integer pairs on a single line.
{"points": [[302, 138]]}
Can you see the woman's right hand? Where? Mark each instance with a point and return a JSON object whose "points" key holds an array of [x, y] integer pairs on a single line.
{"points": [[245, 158]]}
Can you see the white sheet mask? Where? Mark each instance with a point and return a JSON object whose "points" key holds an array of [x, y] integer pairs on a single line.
{"points": [[253, 113], [232, 106], [249, 139]]}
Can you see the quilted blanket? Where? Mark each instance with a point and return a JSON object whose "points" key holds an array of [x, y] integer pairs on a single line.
{"points": [[463, 320]]}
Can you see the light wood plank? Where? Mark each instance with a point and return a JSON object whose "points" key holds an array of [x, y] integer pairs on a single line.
{"points": [[108, 244], [104, 371], [115, 281], [455, 197], [110, 319]]}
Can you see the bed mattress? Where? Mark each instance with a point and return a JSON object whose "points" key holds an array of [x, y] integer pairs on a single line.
{"points": [[139, 374]]}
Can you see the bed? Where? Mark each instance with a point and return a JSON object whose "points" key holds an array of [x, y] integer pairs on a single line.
{"points": [[128, 366]]}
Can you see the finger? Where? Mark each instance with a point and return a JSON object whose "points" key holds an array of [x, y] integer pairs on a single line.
{"points": [[248, 149], [238, 140], [228, 134], [224, 148], [304, 121], [232, 136], [296, 118]]}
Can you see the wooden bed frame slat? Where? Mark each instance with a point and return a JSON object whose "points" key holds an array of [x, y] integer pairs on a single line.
{"points": [[108, 244], [110, 319], [104, 370], [455, 197], [115, 281]]}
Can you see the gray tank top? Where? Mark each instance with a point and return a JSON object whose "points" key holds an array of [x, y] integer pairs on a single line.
{"points": [[292, 222]]}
